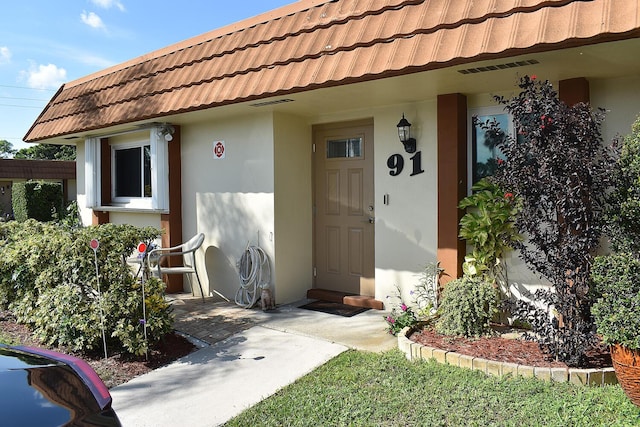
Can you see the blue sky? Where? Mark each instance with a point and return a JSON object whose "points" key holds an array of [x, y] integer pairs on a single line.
{"points": [[45, 43]]}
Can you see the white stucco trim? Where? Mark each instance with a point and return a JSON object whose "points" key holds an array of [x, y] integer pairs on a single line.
{"points": [[92, 172]]}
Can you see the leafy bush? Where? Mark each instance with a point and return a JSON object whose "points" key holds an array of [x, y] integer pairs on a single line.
{"points": [[489, 227], [70, 216], [623, 202], [64, 316], [48, 279], [399, 318], [37, 200], [424, 301], [559, 168], [426, 292], [401, 315], [467, 306], [19, 201], [616, 280], [126, 310]]}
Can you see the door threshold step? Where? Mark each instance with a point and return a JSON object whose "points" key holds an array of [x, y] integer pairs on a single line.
{"points": [[345, 298]]}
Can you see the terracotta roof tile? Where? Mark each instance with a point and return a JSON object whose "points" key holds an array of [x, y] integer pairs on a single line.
{"points": [[315, 43], [37, 169]]}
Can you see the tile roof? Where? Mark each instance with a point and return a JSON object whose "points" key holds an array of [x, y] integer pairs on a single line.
{"points": [[312, 44], [37, 169]]}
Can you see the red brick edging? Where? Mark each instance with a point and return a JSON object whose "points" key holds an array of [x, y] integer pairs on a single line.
{"points": [[416, 351]]}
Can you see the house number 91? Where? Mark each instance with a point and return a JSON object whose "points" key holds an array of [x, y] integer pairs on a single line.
{"points": [[395, 163]]}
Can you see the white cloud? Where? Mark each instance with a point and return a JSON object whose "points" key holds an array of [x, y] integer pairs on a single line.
{"points": [[107, 4], [92, 20], [45, 76], [5, 55], [92, 60]]}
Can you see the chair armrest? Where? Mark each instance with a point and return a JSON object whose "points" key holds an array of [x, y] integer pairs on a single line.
{"points": [[159, 252], [156, 255], [173, 248]]}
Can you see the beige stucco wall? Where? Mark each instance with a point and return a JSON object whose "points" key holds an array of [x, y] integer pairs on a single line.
{"points": [[406, 228], [292, 207], [72, 189], [231, 199], [621, 98], [135, 218]]}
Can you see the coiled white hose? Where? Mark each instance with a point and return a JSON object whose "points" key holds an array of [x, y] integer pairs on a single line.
{"points": [[255, 274]]}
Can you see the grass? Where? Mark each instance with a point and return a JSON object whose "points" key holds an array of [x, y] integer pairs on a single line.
{"points": [[371, 389]]}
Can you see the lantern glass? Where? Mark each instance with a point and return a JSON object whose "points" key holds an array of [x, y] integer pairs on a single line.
{"points": [[404, 130]]}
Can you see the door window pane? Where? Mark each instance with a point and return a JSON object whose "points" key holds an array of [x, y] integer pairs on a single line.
{"points": [[344, 148]]}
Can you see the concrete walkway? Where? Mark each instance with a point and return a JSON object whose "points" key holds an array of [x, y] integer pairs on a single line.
{"points": [[246, 356]]}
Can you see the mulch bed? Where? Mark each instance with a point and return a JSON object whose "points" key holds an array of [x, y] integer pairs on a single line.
{"points": [[504, 349], [117, 368]]}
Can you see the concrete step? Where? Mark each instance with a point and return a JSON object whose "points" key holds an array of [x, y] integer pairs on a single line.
{"points": [[363, 301], [345, 298]]}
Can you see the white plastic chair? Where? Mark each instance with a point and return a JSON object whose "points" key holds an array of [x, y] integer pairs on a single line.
{"points": [[187, 251]]}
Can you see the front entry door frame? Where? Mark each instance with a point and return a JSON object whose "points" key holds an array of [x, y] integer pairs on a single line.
{"points": [[344, 208]]}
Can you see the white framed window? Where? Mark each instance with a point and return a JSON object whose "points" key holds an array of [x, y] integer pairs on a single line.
{"points": [[139, 175], [483, 154], [131, 173]]}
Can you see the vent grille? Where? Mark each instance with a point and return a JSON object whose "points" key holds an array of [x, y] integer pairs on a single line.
{"points": [[504, 66], [277, 101]]}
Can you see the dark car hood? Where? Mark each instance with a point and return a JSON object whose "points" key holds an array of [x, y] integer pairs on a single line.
{"points": [[38, 391]]}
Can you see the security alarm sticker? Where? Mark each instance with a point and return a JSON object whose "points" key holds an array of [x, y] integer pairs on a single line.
{"points": [[219, 150]]}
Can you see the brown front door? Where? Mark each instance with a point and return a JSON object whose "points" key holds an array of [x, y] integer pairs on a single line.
{"points": [[344, 208]]}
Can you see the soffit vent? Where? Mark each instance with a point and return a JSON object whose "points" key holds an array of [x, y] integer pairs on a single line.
{"points": [[277, 101], [496, 67]]}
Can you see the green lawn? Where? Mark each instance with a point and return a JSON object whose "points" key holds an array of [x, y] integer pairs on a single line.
{"points": [[370, 389]]}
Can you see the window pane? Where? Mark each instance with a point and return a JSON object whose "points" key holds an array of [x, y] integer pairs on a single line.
{"points": [[344, 148], [484, 150], [147, 171], [128, 169]]}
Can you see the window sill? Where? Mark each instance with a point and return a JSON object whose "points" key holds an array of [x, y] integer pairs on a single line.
{"points": [[114, 208]]}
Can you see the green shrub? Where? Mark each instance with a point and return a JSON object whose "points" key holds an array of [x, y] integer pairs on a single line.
{"points": [[48, 279], [70, 216], [616, 284], [467, 306], [400, 317], [64, 316], [28, 257], [489, 226], [19, 201], [623, 201], [37, 200]]}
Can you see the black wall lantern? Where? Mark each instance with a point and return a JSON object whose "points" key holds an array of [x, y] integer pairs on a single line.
{"points": [[404, 133]]}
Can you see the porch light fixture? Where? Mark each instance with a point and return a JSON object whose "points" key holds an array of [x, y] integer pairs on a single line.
{"points": [[404, 133], [166, 131]]}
